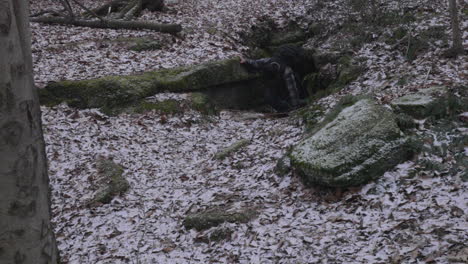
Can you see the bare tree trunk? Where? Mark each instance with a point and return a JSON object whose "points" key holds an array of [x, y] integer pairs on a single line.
{"points": [[457, 46], [115, 24], [25, 230]]}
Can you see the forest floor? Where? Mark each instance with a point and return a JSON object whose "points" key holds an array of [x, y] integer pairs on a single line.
{"points": [[416, 213]]}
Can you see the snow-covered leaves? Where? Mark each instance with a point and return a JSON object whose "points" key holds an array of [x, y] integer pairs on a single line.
{"points": [[412, 214]]}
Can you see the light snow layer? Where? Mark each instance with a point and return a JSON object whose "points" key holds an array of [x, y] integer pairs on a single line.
{"points": [[399, 219]]}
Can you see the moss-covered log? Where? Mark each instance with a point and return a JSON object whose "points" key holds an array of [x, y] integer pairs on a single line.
{"points": [[118, 91], [113, 24]]}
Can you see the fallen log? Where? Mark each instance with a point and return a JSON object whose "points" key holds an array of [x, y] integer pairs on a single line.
{"points": [[113, 24], [118, 91]]}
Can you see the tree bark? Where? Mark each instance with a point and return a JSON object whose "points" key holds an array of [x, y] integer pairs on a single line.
{"points": [[114, 24], [25, 230], [457, 46]]}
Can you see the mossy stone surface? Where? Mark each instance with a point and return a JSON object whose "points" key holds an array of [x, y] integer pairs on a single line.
{"points": [[430, 102], [145, 44], [115, 183], [358, 145], [214, 217]]}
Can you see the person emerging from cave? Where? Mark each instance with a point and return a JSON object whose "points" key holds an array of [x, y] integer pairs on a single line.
{"points": [[286, 63]]}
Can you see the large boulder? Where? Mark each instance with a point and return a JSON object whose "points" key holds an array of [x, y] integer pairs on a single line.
{"points": [[358, 145]]}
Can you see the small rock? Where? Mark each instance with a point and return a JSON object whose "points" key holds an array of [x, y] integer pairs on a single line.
{"points": [[214, 217], [111, 174]]}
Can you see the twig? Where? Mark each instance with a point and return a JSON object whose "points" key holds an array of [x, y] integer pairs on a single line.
{"points": [[409, 42], [427, 74], [67, 6], [53, 12], [88, 10]]}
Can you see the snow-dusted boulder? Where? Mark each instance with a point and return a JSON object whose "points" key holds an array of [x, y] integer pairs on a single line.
{"points": [[425, 103], [357, 146]]}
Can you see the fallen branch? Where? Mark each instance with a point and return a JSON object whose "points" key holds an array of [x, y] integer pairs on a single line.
{"points": [[88, 10], [114, 24], [45, 12], [231, 149]]}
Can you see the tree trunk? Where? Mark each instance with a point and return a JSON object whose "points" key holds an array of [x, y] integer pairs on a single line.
{"points": [[25, 230], [115, 24], [457, 46]]}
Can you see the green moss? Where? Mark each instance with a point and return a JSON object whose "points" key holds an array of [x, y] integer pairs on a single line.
{"points": [[311, 115], [288, 36], [231, 149], [201, 103], [258, 53], [169, 107], [430, 102], [212, 30], [355, 143], [220, 234], [145, 44], [120, 91], [405, 121], [349, 74], [112, 174], [215, 217]]}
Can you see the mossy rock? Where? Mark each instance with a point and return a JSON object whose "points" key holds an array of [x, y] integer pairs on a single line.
{"points": [[119, 91], [145, 44], [111, 174], [430, 102], [357, 146], [214, 217]]}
